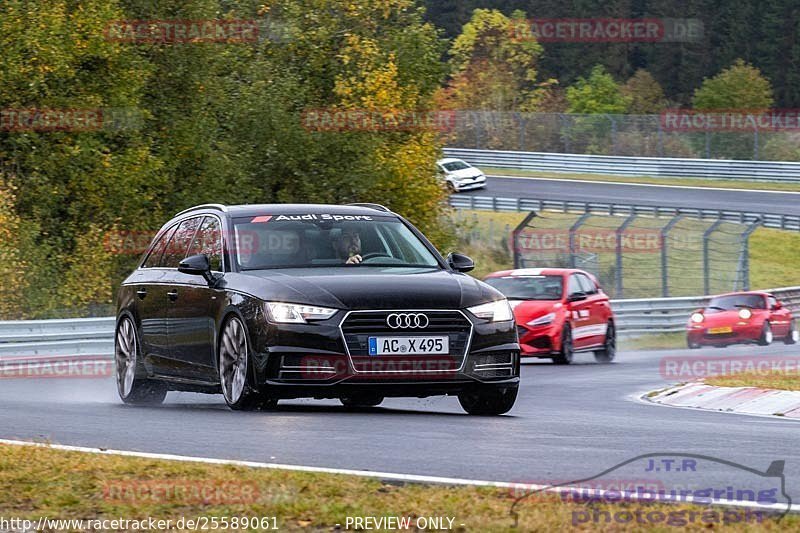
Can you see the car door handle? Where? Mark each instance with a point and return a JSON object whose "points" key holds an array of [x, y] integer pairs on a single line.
{"points": [[173, 295], [141, 293]]}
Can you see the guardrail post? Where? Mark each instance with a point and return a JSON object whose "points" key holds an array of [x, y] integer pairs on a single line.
{"points": [[578, 223], [620, 290], [664, 249], [706, 268]]}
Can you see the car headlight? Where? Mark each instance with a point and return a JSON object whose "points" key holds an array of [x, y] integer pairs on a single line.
{"points": [[497, 311], [297, 313], [543, 320], [697, 317], [745, 313]]}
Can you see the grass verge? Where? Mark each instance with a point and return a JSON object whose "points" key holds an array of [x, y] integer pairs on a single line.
{"points": [[37, 482], [657, 341], [678, 182], [763, 380]]}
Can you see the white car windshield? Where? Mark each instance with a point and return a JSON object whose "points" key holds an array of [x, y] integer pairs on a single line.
{"points": [[455, 165]]}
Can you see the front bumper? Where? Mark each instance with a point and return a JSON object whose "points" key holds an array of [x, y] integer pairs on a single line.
{"points": [[741, 332], [539, 341], [313, 360], [468, 185]]}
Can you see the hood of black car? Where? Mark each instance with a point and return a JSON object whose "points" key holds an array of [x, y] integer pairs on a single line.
{"points": [[364, 287]]}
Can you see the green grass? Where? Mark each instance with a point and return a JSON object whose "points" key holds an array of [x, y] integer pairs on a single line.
{"points": [[763, 380], [657, 341], [687, 182], [41, 482]]}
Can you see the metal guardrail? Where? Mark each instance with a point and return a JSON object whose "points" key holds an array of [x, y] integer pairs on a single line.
{"points": [[95, 336], [669, 315], [780, 171], [768, 220]]}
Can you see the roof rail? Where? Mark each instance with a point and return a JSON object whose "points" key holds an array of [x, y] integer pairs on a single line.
{"points": [[377, 207], [220, 207]]}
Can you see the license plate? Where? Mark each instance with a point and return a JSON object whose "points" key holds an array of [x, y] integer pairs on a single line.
{"points": [[717, 331], [409, 345]]}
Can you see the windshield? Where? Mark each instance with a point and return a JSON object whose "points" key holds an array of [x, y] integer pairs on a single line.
{"points": [[737, 301], [455, 165], [322, 240], [529, 287]]}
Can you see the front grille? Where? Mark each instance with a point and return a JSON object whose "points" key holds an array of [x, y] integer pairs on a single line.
{"points": [[360, 325]]}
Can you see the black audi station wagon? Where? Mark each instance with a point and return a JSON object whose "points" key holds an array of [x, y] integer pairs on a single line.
{"points": [[270, 302]]}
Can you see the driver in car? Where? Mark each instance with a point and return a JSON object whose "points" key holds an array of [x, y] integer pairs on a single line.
{"points": [[348, 246]]}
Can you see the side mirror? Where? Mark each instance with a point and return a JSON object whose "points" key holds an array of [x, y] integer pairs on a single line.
{"points": [[576, 297], [460, 262], [197, 265]]}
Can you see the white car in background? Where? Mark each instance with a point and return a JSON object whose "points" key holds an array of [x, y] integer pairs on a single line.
{"points": [[460, 175]]}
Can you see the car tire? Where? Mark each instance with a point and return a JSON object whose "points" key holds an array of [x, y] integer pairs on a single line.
{"points": [[488, 402], [766, 335], [361, 400], [452, 188], [564, 357], [133, 389], [235, 377], [792, 336], [609, 351], [692, 345]]}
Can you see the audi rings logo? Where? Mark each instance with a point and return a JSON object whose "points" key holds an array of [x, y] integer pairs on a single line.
{"points": [[407, 321]]}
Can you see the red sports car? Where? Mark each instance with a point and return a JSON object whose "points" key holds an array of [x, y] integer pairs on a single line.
{"points": [[741, 317], [559, 312]]}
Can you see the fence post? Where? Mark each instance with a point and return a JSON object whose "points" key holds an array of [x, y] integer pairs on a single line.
{"points": [[706, 268], [620, 290], [745, 253], [578, 223], [664, 249]]}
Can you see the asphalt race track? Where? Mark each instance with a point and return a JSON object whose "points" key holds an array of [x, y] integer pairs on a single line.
{"points": [[781, 203], [570, 422]]}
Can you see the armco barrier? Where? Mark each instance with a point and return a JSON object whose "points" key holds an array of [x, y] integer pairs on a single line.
{"points": [[768, 220], [782, 171], [95, 336]]}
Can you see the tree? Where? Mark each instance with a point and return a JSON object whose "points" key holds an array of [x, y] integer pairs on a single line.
{"points": [[741, 86], [599, 93], [644, 93], [494, 64]]}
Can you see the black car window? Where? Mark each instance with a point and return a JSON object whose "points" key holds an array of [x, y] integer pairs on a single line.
{"points": [[588, 285], [179, 243], [208, 241], [574, 286], [311, 240], [157, 251]]}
